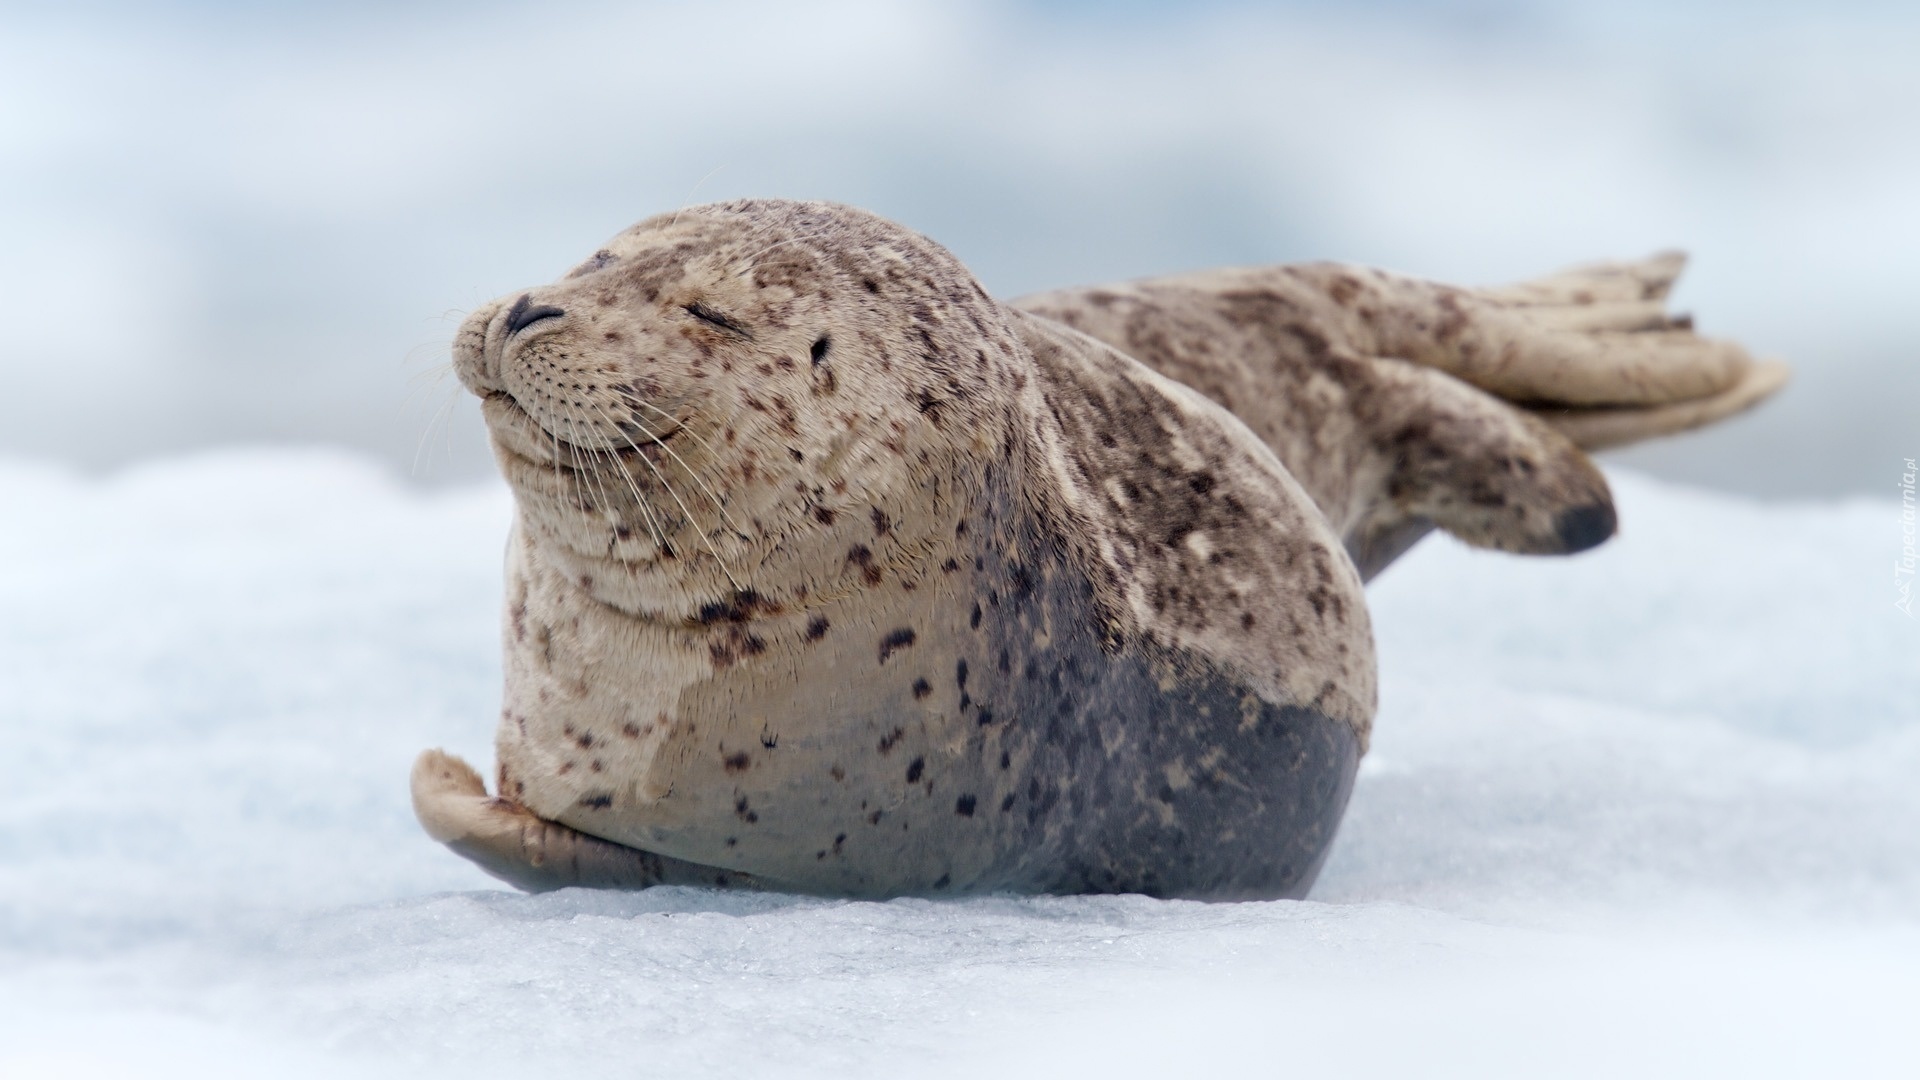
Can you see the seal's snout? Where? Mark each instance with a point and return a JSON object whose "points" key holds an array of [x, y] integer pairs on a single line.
{"points": [[525, 313]]}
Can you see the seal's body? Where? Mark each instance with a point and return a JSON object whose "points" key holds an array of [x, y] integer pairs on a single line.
{"points": [[832, 573]]}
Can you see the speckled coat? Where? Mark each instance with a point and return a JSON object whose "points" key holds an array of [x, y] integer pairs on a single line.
{"points": [[833, 573]]}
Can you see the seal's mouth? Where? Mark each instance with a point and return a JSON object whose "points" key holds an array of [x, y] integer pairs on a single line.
{"points": [[569, 453]]}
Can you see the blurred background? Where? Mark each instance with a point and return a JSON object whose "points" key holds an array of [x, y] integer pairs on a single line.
{"points": [[226, 222]]}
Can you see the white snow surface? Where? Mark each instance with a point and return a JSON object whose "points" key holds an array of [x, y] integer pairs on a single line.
{"points": [[1646, 811]]}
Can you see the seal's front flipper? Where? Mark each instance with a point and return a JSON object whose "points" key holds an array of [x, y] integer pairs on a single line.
{"points": [[528, 852], [1462, 460]]}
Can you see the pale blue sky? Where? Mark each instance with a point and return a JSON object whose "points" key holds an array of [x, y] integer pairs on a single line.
{"points": [[243, 222]]}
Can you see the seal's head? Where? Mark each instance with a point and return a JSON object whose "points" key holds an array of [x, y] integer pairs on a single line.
{"points": [[707, 391]]}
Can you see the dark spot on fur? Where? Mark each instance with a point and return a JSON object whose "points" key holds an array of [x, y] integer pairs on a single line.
{"points": [[599, 260], [963, 806], [974, 619], [915, 768], [1343, 290], [738, 608], [630, 729], [823, 515], [820, 346], [894, 641], [1006, 759], [817, 627], [860, 556], [921, 688], [960, 673], [881, 522], [597, 801], [890, 740], [736, 763]]}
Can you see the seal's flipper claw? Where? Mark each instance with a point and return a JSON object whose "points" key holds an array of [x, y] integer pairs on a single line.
{"points": [[529, 852]]}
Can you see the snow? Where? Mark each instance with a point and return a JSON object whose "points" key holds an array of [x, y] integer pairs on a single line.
{"points": [[1648, 811]]}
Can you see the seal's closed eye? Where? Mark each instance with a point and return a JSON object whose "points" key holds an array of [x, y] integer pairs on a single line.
{"points": [[523, 314], [707, 315]]}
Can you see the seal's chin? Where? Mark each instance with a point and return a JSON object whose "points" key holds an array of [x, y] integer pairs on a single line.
{"points": [[517, 434]]}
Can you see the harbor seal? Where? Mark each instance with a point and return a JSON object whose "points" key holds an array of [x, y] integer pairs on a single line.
{"points": [[831, 573]]}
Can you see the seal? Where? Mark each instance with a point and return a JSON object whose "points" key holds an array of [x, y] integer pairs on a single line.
{"points": [[831, 573]]}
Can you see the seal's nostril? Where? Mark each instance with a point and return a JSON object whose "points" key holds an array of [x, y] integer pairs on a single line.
{"points": [[524, 314]]}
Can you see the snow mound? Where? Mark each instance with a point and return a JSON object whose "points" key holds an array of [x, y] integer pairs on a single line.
{"points": [[1649, 810]]}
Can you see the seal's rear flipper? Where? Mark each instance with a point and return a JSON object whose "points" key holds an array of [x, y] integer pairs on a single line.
{"points": [[1602, 428], [1464, 461], [529, 852], [1596, 335]]}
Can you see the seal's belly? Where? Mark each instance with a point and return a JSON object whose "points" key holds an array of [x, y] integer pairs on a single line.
{"points": [[982, 733]]}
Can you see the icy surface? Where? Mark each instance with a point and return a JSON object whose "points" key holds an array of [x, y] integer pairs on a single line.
{"points": [[1649, 811]]}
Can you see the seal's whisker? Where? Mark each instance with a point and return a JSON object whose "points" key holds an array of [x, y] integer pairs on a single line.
{"points": [[627, 397], [633, 485], [697, 478], [580, 492], [675, 220], [692, 522], [549, 433], [592, 474], [443, 413]]}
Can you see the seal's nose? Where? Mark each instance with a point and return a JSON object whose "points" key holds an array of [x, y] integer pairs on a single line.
{"points": [[524, 314]]}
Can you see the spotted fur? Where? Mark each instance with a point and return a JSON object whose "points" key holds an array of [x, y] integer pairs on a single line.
{"points": [[832, 573]]}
